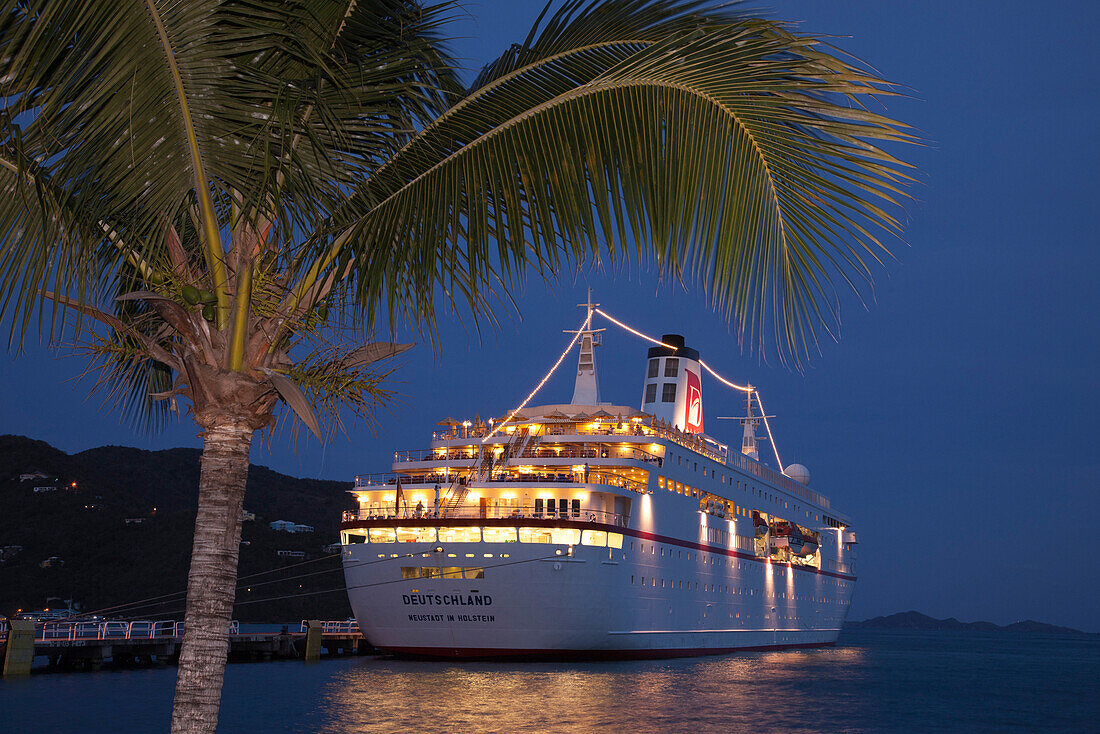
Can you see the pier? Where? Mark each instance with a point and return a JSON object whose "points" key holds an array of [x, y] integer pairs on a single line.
{"points": [[88, 645]]}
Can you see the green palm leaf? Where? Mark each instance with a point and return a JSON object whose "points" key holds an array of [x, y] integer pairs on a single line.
{"points": [[735, 154]]}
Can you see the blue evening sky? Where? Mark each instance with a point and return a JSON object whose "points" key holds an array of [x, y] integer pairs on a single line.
{"points": [[956, 420]]}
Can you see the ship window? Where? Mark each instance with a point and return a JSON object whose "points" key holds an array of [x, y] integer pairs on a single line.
{"points": [[564, 536], [654, 365], [410, 572], [594, 537], [576, 510], [672, 367], [415, 535], [563, 507], [660, 482], [499, 535], [474, 573], [460, 535], [539, 502], [382, 535], [451, 572], [615, 540], [668, 392], [651, 392]]}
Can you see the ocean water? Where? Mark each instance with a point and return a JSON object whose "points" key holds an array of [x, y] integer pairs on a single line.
{"points": [[870, 682]]}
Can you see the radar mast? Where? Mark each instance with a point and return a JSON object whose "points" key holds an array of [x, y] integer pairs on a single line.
{"points": [[586, 390]]}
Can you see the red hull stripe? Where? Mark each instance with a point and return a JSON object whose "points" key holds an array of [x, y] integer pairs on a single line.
{"points": [[538, 654], [499, 522]]}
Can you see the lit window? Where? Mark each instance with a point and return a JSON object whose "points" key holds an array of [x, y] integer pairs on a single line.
{"points": [[460, 535], [382, 535], [594, 537], [415, 535], [499, 535]]}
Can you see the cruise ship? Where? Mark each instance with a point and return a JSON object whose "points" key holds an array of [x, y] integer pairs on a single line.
{"points": [[597, 529]]}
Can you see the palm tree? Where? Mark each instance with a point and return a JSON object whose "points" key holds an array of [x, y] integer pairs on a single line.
{"points": [[228, 197]]}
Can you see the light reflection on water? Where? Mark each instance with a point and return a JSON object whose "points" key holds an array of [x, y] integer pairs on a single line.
{"points": [[873, 682], [775, 690]]}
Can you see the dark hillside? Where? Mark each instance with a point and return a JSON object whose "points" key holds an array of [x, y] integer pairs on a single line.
{"points": [[106, 560]]}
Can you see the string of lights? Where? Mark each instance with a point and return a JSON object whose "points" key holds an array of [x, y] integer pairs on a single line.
{"points": [[576, 336], [724, 381], [635, 332], [768, 428], [748, 389]]}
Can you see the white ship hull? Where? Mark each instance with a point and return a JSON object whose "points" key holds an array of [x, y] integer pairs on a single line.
{"points": [[592, 603]]}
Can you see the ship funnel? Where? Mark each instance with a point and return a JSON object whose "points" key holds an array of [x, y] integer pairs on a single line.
{"points": [[673, 390]]}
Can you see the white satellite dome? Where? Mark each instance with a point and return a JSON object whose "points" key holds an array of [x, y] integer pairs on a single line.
{"points": [[798, 473]]}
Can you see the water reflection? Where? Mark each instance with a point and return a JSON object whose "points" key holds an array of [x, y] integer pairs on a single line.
{"points": [[770, 691]]}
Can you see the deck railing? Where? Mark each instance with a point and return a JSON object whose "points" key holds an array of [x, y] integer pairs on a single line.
{"points": [[535, 451], [389, 481], [782, 480], [488, 513]]}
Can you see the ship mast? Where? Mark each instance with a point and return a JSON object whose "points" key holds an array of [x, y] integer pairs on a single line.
{"points": [[586, 390], [750, 422]]}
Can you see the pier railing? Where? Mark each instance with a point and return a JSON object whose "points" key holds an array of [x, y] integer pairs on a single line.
{"points": [[110, 630], [343, 627]]}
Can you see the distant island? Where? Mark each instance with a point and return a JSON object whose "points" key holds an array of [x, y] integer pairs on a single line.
{"points": [[917, 621]]}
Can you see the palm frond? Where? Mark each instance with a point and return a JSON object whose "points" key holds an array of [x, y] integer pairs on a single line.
{"points": [[735, 154]]}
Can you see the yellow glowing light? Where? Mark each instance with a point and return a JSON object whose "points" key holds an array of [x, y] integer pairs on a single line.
{"points": [[389, 497], [576, 336], [508, 496], [635, 332], [474, 496]]}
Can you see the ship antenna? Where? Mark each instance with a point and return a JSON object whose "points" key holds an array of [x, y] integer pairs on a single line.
{"points": [[750, 422]]}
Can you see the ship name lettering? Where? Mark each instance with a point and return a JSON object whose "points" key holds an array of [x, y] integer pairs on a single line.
{"points": [[447, 600]]}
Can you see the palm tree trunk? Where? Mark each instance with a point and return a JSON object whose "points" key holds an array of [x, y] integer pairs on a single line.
{"points": [[211, 583]]}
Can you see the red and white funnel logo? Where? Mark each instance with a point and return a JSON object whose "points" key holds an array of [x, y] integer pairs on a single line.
{"points": [[693, 406]]}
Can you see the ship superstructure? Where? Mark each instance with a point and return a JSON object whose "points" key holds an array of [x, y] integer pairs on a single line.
{"points": [[596, 529]]}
